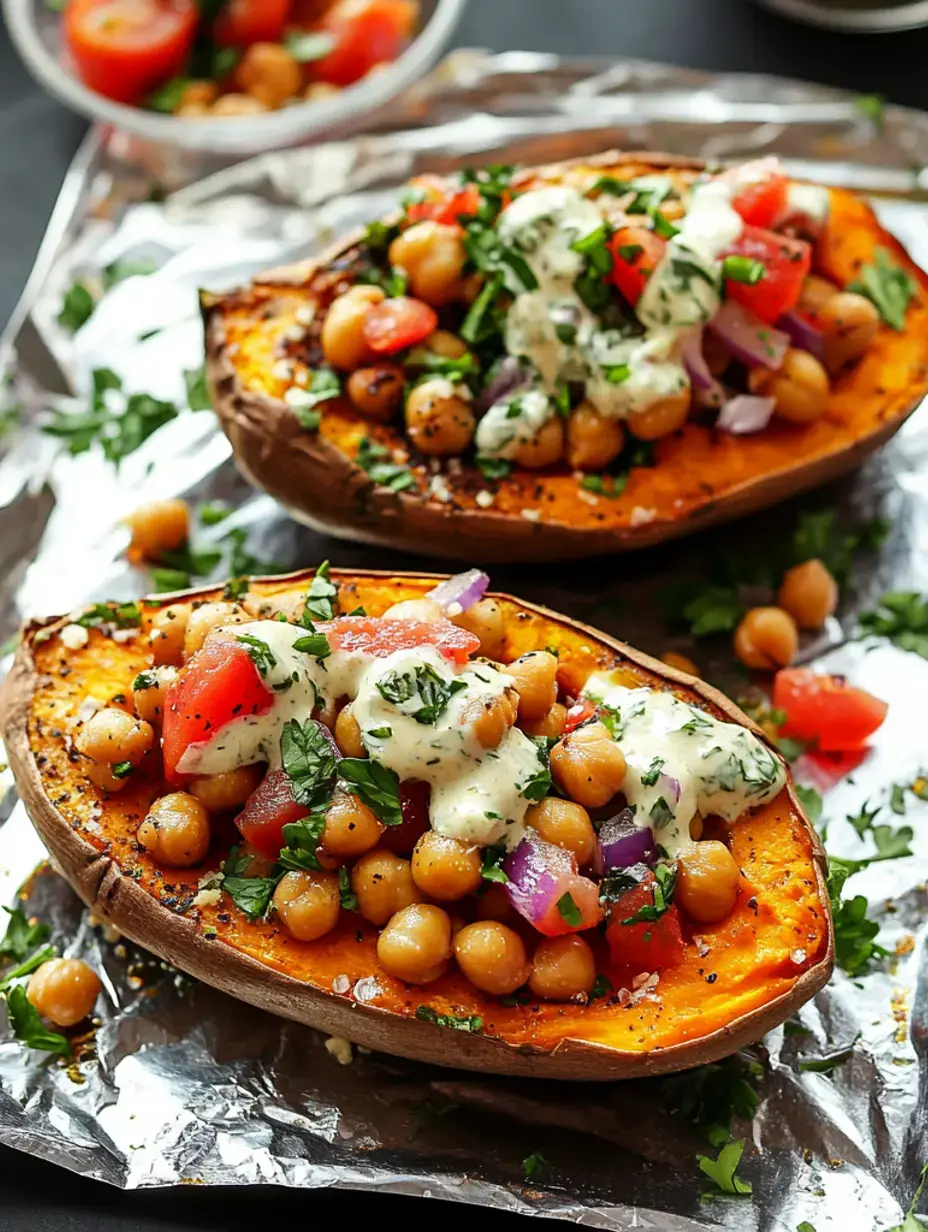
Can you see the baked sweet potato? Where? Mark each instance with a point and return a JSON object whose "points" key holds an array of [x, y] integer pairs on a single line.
{"points": [[362, 479], [726, 984]]}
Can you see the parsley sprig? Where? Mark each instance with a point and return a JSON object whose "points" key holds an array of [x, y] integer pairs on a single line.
{"points": [[119, 431], [887, 285]]}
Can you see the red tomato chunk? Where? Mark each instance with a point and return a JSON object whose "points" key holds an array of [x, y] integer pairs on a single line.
{"points": [[649, 944], [825, 710], [380, 636], [267, 811]]}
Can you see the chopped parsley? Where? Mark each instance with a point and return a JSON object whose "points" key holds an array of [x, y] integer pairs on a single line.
{"points": [[122, 615], [743, 269], [126, 267], [28, 1027], [118, 432], [492, 869], [665, 880], [825, 1065], [198, 398], [661, 813], [483, 319], [534, 1166], [77, 307], [901, 616], [723, 1171], [493, 468], [653, 772], [309, 761], [474, 1023], [711, 1096], [346, 895], [887, 285], [424, 683], [321, 597], [375, 785], [569, 911], [252, 895], [323, 386], [811, 802], [261, 654], [539, 784], [122, 769], [301, 841], [21, 937], [371, 457], [602, 987]]}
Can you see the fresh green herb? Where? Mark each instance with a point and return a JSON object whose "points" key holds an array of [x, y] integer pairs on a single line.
{"points": [[309, 761], [198, 398], [873, 107], [630, 253], [28, 965], [616, 883], [375, 785], [347, 896], [704, 608], [699, 722], [890, 287], [166, 580], [213, 514], [817, 535], [610, 486], [493, 468], [168, 98], [370, 457], [539, 784], [145, 680], [378, 236], [811, 802], [569, 911], [912, 1223], [743, 269], [438, 365], [122, 615], [380, 733], [76, 307], [302, 839], [661, 813], [805, 1226], [723, 1170], [617, 373], [665, 880], [897, 798], [492, 869], [424, 683], [306, 47], [235, 589], [825, 1065], [122, 769], [28, 1027], [126, 267], [240, 562], [323, 386], [261, 654], [21, 937], [901, 616], [119, 433], [534, 1166], [602, 987], [316, 645], [481, 321], [322, 596], [711, 1096], [474, 1023], [252, 895], [610, 185]]}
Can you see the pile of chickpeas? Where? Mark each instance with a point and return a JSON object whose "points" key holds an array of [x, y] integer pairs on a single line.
{"points": [[439, 418], [767, 638], [429, 899]]}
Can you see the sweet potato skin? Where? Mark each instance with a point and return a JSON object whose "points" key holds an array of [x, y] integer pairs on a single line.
{"points": [[701, 477], [768, 957]]}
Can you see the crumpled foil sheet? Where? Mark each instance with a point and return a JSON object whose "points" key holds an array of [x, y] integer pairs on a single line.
{"points": [[185, 1085]]}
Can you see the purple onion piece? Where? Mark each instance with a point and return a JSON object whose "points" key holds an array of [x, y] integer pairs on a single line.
{"points": [[669, 788], [803, 333], [535, 870], [622, 844], [457, 594], [707, 391], [744, 414], [749, 339], [510, 377]]}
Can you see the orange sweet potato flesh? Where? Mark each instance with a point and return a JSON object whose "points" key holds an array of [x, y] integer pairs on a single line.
{"points": [[756, 967], [701, 476]]}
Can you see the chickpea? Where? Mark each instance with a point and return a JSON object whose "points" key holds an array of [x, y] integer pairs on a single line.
{"points": [[238, 106], [849, 323], [809, 593], [445, 868], [207, 617], [707, 882], [766, 638], [111, 736], [484, 620], [220, 793], [815, 294], [384, 885], [432, 254], [593, 439], [494, 904], [416, 944], [552, 724], [492, 957], [351, 828], [438, 422], [377, 392], [102, 776], [535, 677], [157, 527], [269, 73], [562, 968], [176, 830], [348, 734], [318, 90], [343, 342], [445, 345], [308, 903], [800, 387], [199, 94], [491, 717], [64, 990], [588, 765], [167, 633], [661, 418], [564, 824], [682, 662], [697, 826], [544, 449], [148, 693], [425, 611]]}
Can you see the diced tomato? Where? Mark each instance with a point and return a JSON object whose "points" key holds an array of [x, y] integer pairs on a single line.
{"points": [[397, 323], [414, 802], [366, 33], [447, 209], [826, 710], [267, 810], [578, 713], [243, 22], [650, 944], [380, 636], [760, 191], [585, 896], [219, 683], [786, 263], [125, 49], [635, 254]]}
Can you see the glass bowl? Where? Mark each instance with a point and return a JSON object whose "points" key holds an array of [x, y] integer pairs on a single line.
{"points": [[35, 31]]}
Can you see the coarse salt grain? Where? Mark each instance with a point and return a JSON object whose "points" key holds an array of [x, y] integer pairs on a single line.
{"points": [[208, 898], [366, 989], [484, 498], [305, 314], [440, 490], [123, 635], [282, 370], [88, 708], [531, 515], [641, 516], [341, 984], [74, 637], [640, 980], [340, 1049]]}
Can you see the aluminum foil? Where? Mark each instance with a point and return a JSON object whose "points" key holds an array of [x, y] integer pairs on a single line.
{"points": [[180, 1084]]}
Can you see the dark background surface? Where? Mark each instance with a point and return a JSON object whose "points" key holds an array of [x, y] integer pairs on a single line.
{"points": [[37, 140]]}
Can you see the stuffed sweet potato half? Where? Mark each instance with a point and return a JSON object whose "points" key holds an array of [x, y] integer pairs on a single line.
{"points": [[388, 808], [582, 358]]}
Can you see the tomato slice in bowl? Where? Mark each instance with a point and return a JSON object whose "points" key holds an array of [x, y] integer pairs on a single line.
{"points": [[786, 263], [825, 710], [124, 49], [398, 323], [243, 22], [365, 33]]}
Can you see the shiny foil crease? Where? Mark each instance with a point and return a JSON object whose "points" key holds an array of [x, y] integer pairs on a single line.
{"points": [[182, 1084]]}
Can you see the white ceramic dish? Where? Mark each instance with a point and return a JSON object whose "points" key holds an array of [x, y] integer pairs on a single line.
{"points": [[35, 31]]}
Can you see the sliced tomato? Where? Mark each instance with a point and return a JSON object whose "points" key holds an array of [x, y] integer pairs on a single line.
{"points": [[380, 636], [219, 683], [267, 810], [636, 252], [125, 49], [414, 803], [760, 191], [649, 944], [462, 203], [578, 713], [366, 33], [786, 263], [243, 22], [397, 323], [825, 710]]}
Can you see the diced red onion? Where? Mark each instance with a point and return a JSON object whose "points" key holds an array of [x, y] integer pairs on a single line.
{"points": [[745, 414], [622, 843], [457, 594], [803, 333], [669, 788], [749, 339], [536, 870], [509, 378], [707, 391]]}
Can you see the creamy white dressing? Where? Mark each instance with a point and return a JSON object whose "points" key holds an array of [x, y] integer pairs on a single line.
{"points": [[512, 422], [669, 747], [654, 373], [810, 201], [476, 793]]}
